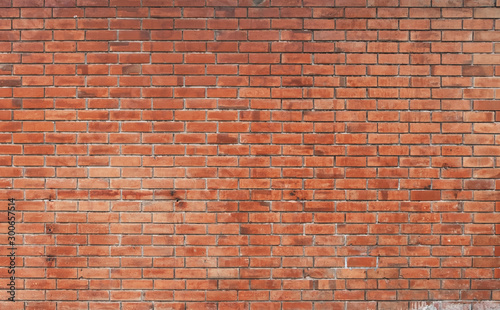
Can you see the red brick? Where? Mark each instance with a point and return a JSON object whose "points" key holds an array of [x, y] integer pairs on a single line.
{"points": [[221, 129]]}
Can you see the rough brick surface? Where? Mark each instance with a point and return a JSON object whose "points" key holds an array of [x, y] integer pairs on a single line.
{"points": [[251, 154]]}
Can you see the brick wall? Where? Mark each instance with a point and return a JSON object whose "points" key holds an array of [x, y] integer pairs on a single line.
{"points": [[251, 154]]}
